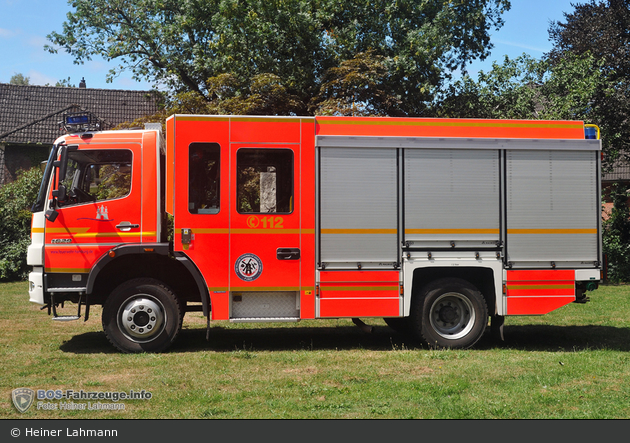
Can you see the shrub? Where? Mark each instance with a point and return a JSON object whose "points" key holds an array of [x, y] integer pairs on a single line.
{"points": [[616, 236], [16, 199]]}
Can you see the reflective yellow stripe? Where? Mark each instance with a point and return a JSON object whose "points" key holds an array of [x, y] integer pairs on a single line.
{"points": [[448, 123], [547, 286], [451, 231], [211, 231], [242, 289], [252, 231], [113, 234], [243, 119], [359, 231], [37, 230], [201, 118], [67, 230], [265, 231], [68, 270], [552, 231], [262, 289], [359, 288]]}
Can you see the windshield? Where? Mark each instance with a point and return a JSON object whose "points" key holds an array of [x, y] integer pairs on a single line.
{"points": [[43, 187]]}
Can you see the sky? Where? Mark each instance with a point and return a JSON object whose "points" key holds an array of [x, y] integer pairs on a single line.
{"points": [[24, 25]]}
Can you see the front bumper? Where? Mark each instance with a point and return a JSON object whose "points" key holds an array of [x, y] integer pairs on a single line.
{"points": [[36, 285]]}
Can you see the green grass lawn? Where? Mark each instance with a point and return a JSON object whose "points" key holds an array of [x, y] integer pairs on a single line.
{"points": [[572, 364]]}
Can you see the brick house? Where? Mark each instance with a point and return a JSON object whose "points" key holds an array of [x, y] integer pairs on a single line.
{"points": [[30, 116]]}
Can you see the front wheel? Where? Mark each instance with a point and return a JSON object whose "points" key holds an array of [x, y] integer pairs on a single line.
{"points": [[450, 313], [142, 315]]}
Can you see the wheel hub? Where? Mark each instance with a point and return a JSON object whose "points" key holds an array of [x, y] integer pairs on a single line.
{"points": [[142, 318], [452, 315], [448, 314]]}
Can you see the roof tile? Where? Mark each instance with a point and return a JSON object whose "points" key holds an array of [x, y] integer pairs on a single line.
{"points": [[29, 114]]}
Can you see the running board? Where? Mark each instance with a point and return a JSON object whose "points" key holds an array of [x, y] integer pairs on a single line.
{"points": [[66, 317], [57, 317]]}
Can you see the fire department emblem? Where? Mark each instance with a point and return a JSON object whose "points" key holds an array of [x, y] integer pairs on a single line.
{"points": [[248, 267], [22, 398]]}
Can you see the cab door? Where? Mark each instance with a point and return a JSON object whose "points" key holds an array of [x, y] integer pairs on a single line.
{"points": [[100, 210], [265, 228]]}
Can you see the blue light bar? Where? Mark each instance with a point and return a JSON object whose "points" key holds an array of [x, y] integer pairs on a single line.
{"points": [[77, 119], [591, 132]]}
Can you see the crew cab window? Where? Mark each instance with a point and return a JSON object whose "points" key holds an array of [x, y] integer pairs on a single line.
{"points": [[204, 178], [264, 180], [97, 175]]}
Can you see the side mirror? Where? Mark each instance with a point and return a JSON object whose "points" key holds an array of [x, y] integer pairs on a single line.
{"points": [[60, 193], [51, 215]]}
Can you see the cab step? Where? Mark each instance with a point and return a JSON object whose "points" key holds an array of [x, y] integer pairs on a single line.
{"points": [[57, 317]]}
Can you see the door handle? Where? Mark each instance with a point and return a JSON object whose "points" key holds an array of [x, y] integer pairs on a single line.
{"points": [[126, 226], [288, 253]]}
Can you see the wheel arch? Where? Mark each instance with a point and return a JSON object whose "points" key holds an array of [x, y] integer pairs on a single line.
{"points": [[486, 279], [128, 262]]}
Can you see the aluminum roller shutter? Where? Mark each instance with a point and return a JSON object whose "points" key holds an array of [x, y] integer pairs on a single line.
{"points": [[452, 195], [552, 208], [358, 207]]}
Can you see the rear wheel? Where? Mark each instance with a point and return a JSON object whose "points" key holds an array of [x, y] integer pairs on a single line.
{"points": [[142, 315], [450, 313]]}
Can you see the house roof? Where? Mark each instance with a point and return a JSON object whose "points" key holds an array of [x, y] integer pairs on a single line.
{"points": [[31, 114], [619, 171]]}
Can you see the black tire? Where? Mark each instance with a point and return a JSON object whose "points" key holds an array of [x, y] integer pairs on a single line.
{"points": [[398, 324], [142, 315], [449, 313]]}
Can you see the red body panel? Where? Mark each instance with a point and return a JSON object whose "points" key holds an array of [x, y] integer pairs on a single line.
{"points": [[436, 127], [359, 294], [535, 292], [220, 240], [208, 248]]}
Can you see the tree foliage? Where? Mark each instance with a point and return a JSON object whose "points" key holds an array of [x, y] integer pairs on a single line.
{"points": [[601, 29], [19, 79], [16, 199], [189, 45], [359, 86], [509, 90], [616, 237]]}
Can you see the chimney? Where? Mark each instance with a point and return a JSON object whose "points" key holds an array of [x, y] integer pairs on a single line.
{"points": [[82, 83]]}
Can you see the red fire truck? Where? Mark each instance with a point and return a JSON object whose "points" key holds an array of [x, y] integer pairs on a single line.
{"points": [[435, 225]]}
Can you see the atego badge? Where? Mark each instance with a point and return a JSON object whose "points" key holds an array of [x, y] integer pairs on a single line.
{"points": [[23, 398], [248, 267]]}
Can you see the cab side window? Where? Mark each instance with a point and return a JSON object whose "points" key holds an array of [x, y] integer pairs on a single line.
{"points": [[97, 175]]}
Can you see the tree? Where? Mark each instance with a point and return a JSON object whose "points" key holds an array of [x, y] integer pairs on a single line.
{"points": [[601, 29], [187, 45], [16, 199], [19, 79], [359, 86], [616, 238], [509, 90]]}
